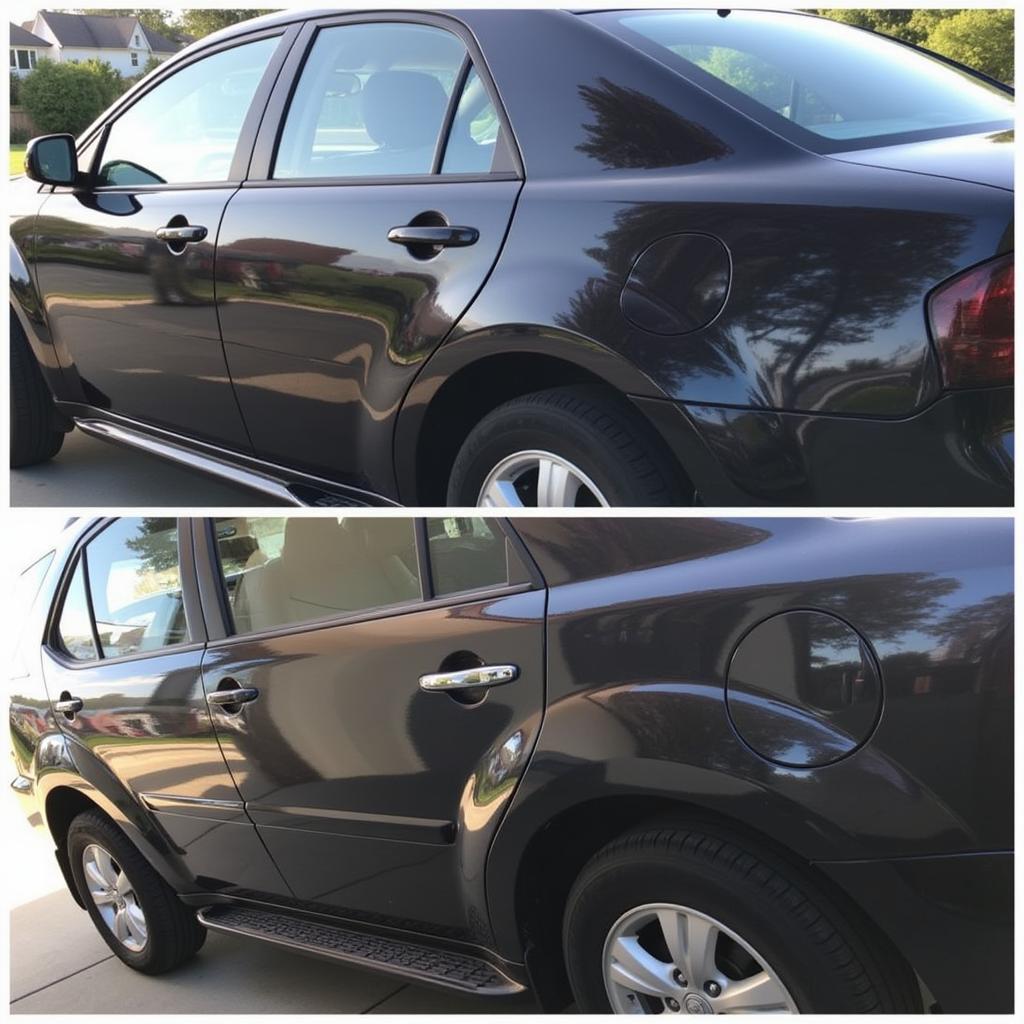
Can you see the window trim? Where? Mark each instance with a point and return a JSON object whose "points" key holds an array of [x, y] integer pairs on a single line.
{"points": [[285, 34], [195, 632], [215, 600], [269, 136]]}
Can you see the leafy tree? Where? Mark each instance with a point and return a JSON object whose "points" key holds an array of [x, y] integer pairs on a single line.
{"points": [[981, 39], [201, 22], [110, 80], [15, 94], [64, 97]]}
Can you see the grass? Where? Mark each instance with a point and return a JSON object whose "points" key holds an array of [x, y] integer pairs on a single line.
{"points": [[17, 159]]}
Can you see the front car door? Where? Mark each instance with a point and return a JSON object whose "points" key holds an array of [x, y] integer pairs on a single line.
{"points": [[125, 647], [131, 308], [340, 265], [377, 798]]}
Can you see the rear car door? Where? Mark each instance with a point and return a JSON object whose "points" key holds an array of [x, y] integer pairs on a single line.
{"points": [[383, 182], [375, 796], [123, 658], [133, 312]]}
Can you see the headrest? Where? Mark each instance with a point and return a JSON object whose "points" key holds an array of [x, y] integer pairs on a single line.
{"points": [[403, 109]]}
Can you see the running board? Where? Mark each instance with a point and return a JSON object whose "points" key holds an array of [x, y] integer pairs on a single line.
{"points": [[288, 488], [426, 964]]}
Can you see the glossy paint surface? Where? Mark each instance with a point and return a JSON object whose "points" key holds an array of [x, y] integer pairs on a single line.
{"points": [[339, 343]]}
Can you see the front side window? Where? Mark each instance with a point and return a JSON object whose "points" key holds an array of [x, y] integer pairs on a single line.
{"points": [[370, 102], [279, 571], [466, 553], [829, 86], [125, 592], [186, 128]]}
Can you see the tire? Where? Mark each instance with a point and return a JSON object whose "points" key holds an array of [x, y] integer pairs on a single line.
{"points": [[173, 935], [595, 432], [826, 960], [35, 436]]}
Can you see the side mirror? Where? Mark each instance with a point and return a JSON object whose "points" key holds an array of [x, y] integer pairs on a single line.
{"points": [[52, 160]]}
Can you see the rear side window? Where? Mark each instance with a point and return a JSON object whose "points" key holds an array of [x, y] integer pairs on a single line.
{"points": [[466, 553], [186, 128], [125, 592], [283, 570], [825, 85], [477, 141]]}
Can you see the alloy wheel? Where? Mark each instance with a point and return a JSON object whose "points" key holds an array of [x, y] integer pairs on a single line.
{"points": [[114, 895], [539, 479], [664, 958]]}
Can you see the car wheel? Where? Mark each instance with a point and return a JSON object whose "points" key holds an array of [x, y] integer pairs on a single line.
{"points": [[567, 447], [691, 920], [34, 435], [135, 911]]}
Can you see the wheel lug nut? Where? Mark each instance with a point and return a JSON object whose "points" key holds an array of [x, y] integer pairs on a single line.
{"points": [[713, 989], [672, 1005]]}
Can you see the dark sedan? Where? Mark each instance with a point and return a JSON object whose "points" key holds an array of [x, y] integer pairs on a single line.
{"points": [[651, 766], [513, 257]]}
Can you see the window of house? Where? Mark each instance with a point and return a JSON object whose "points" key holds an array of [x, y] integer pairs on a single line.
{"points": [[283, 570], [135, 57], [26, 60], [14, 58], [186, 128], [125, 592]]}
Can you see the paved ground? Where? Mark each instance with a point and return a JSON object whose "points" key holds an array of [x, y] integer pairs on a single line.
{"points": [[89, 473], [59, 964]]}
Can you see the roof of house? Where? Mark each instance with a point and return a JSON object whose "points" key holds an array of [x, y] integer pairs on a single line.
{"points": [[96, 31], [22, 37]]}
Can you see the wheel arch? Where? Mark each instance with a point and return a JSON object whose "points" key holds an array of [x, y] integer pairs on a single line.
{"points": [[474, 373]]}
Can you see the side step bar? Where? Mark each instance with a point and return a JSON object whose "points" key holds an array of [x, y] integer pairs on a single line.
{"points": [[331, 942]]}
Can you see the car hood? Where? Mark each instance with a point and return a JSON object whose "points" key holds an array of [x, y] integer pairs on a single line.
{"points": [[986, 159]]}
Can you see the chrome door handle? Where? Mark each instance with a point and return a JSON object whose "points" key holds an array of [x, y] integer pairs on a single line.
{"points": [[220, 698], [467, 678], [184, 233], [441, 237], [69, 706]]}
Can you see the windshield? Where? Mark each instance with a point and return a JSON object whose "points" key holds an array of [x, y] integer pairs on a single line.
{"points": [[822, 84]]}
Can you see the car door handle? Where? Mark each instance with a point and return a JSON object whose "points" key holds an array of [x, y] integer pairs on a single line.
{"points": [[468, 678], [244, 694], [182, 233], [443, 237], [68, 705]]}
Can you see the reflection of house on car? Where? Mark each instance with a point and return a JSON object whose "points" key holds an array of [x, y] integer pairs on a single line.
{"points": [[124, 43]]}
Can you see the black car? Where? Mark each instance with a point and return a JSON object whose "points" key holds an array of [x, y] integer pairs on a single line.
{"points": [[514, 257], [680, 765]]}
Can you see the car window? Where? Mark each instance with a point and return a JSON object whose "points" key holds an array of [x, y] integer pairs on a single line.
{"points": [[75, 626], [371, 101], [279, 571], [26, 591], [476, 142], [186, 128], [133, 577], [466, 553]]}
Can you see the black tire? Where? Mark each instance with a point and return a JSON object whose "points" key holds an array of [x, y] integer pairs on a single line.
{"points": [[35, 434], [596, 432], [173, 933], [828, 961]]}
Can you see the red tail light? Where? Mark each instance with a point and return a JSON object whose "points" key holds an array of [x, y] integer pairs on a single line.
{"points": [[971, 318]]}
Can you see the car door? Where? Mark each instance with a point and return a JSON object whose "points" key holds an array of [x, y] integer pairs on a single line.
{"points": [[383, 182], [122, 666], [376, 796], [125, 264]]}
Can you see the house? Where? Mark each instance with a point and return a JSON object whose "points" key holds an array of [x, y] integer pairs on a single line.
{"points": [[26, 49], [124, 43]]}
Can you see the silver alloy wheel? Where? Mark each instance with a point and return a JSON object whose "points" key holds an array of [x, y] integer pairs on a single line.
{"points": [[541, 479], [114, 896], [638, 978]]}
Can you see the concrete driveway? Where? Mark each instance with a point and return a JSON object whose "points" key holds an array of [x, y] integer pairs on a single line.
{"points": [[59, 964], [89, 473]]}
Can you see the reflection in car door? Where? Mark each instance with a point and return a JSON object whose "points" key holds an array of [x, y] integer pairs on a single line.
{"points": [[373, 795], [327, 303], [132, 313]]}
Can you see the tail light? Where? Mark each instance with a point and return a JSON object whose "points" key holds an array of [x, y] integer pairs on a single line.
{"points": [[971, 319]]}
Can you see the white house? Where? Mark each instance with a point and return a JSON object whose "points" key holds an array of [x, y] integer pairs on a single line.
{"points": [[124, 43], [26, 49]]}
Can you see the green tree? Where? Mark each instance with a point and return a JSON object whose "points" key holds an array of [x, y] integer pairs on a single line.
{"points": [[201, 22], [978, 38], [110, 81], [63, 97]]}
